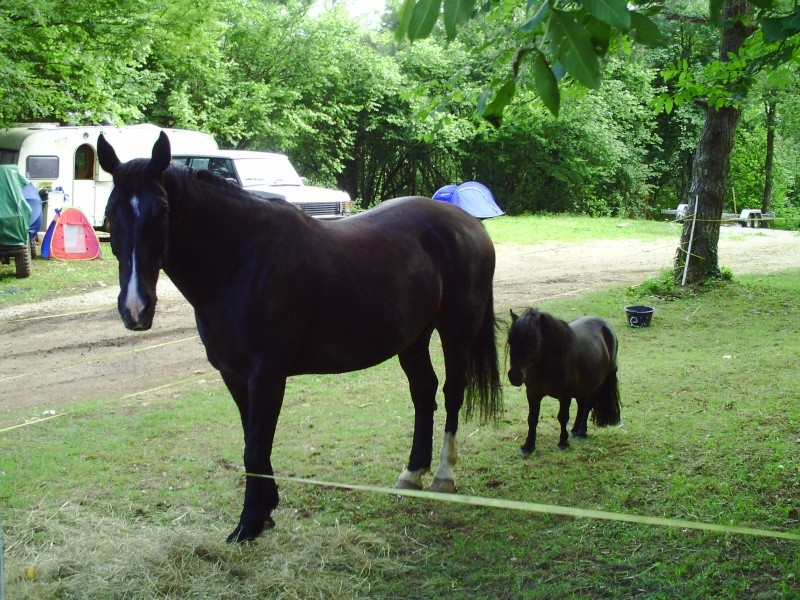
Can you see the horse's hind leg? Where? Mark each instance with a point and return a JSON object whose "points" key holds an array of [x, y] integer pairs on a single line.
{"points": [[422, 383], [563, 419], [579, 426], [456, 358]]}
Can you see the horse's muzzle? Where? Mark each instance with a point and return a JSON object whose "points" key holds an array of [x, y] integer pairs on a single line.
{"points": [[516, 378], [137, 325], [137, 320]]}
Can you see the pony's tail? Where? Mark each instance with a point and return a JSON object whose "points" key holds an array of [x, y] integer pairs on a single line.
{"points": [[484, 394], [606, 402]]}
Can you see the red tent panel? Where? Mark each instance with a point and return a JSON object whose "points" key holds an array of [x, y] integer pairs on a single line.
{"points": [[73, 237]]}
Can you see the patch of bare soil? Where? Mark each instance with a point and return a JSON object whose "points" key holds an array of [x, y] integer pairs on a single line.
{"points": [[58, 352]]}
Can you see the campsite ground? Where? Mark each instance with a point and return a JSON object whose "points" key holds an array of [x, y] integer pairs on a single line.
{"points": [[73, 349]]}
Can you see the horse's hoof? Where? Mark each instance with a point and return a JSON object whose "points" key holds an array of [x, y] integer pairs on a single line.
{"points": [[579, 435], [406, 484], [443, 486], [526, 452], [244, 533], [564, 446]]}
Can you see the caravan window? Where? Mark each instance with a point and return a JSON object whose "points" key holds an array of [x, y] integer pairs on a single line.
{"points": [[84, 162], [8, 157], [41, 167]]}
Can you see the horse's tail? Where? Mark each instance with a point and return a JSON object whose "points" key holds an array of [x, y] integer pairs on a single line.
{"points": [[606, 399], [484, 393], [606, 402]]}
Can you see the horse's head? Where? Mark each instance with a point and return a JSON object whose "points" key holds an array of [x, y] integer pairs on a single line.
{"points": [[524, 345], [137, 214]]}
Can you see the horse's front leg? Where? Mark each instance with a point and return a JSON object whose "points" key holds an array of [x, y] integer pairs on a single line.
{"points": [[422, 383], [265, 391], [563, 419], [534, 404], [579, 426]]}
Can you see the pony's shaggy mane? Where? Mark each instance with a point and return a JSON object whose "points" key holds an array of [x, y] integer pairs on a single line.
{"points": [[533, 324]]}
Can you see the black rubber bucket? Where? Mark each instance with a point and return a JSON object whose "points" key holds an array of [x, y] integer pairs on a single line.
{"points": [[639, 316]]}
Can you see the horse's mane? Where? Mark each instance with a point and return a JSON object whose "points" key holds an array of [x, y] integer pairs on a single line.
{"points": [[200, 182], [556, 335]]}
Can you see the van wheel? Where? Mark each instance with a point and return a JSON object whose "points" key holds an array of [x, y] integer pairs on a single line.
{"points": [[23, 262]]}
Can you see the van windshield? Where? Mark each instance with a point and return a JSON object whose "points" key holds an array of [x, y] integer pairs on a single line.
{"points": [[267, 171]]}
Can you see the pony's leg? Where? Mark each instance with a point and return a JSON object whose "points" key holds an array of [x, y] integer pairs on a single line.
{"points": [[579, 426], [534, 404], [422, 383], [260, 493], [563, 419]]}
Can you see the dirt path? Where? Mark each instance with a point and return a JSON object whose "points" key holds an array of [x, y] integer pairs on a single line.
{"points": [[81, 351]]}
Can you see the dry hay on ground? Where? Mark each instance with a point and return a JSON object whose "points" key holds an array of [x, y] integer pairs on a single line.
{"points": [[73, 552]]}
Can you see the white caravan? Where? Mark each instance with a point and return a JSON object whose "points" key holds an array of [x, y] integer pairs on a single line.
{"points": [[63, 159]]}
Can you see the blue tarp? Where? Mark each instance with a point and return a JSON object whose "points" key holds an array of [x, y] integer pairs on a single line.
{"points": [[31, 195], [473, 197]]}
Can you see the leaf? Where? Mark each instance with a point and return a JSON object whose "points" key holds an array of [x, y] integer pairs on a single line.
{"points": [[613, 12], [777, 29], [493, 111], [715, 11], [404, 19], [599, 33], [483, 100], [575, 48], [423, 18], [559, 71], [455, 12], [645, 31], [772, 28], [536, 19], [546, 84]]}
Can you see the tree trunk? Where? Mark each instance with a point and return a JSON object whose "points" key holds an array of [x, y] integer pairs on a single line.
{"points": [[710, 167], [770, 109]]}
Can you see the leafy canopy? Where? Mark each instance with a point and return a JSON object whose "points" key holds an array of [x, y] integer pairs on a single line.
{"points": [[560, 38]]}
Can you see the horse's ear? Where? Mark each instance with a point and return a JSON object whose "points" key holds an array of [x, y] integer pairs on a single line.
{"points": [[162, 154], [514, 316], [106, 155]]}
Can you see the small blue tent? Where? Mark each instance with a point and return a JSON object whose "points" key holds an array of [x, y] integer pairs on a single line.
{"points": [[473, 197]]}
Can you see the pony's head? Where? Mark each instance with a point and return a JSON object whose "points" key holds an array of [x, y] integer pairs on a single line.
{"points": [[524, 344], [137, 214]]}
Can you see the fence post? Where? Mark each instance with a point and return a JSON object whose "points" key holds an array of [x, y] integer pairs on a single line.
{"points": [[691, 239]]}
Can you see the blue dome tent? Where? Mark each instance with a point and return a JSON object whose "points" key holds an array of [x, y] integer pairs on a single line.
{"points": [[473, 197]]}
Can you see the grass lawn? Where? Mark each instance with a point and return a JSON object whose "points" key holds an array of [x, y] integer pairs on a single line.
{"points": [[132, 498]]}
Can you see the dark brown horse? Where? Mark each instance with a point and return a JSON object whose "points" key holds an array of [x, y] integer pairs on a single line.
{"points": [[564, 360], [277, 293]]}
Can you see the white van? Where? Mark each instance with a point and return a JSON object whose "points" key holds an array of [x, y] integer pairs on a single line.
{"points": [[268, 175], [62, 159]]}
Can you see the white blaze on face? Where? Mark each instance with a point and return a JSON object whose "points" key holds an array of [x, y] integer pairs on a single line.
{"points": [[133, 301]]}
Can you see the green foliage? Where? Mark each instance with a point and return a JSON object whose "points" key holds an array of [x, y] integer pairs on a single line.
{"points": [[364, 110], [75, 62], [558, 39], [592, 161]]}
